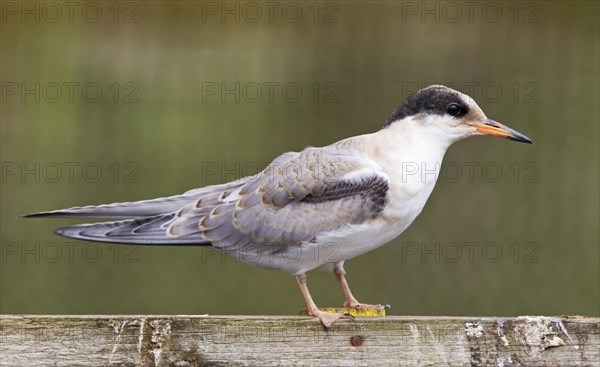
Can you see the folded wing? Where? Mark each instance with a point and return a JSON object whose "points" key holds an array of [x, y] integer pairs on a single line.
{"points": [[298, 197]]}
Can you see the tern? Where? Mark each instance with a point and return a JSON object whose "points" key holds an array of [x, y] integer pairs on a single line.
{"points": [[317, 207]]}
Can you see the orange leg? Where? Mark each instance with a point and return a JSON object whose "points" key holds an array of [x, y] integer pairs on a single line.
{"points": [[326, 318], [350, 300]]}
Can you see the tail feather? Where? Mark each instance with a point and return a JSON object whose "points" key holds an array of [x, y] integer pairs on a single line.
{"points": [[142, 208], [145, 231], [121, 210], [142, 222]]}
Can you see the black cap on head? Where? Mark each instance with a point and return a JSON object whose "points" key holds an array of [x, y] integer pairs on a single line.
{"points": [[434, 99]]}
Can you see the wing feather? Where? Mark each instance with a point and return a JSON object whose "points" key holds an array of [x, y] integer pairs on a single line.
{"points": [[295, 199]]}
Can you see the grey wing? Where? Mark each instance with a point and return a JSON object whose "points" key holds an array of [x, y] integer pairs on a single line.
{"points": [[298, 197]]}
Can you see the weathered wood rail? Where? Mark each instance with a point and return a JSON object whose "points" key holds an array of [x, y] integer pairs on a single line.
{"points": [[34, 340]]}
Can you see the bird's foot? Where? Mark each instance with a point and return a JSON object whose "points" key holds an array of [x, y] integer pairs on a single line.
{"points": [[328, 318], [364, 306]]}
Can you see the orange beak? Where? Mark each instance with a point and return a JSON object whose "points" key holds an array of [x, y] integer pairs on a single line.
{"points": [[494, 128]]}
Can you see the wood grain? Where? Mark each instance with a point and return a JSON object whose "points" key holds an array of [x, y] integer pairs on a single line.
{"points": [[35, 340]]}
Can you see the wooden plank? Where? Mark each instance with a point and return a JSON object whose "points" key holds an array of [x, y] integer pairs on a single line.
{"points": [[35, 340]]}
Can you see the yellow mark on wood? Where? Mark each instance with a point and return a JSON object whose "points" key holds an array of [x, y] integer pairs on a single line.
{"points": [[369, 312]]}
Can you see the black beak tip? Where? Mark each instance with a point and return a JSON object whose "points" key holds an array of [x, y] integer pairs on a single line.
{"points": [[521, 139]]}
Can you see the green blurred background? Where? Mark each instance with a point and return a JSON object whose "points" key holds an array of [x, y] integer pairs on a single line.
{"points": [[533, 66]]}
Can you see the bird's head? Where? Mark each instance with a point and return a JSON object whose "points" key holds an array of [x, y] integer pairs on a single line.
{"points": [[446, 114]]}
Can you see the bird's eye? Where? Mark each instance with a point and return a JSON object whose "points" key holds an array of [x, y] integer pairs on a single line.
{"points": [[453, 109]]}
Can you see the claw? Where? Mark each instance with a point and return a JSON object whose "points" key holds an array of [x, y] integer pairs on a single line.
{"points": [[348, 316]]}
